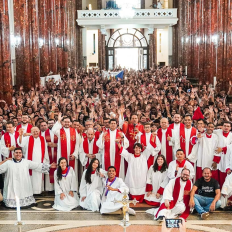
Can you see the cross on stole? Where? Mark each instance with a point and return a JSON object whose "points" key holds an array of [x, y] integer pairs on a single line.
{"points": [[73, 137], [63, 137], [133, 134]]}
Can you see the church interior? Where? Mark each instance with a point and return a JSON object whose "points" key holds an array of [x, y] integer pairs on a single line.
{"points": [[51, 38]]}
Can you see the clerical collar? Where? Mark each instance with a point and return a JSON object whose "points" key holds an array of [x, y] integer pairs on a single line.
{"points": [[93, 172], [17, 161], [181, 164], [208, 136], [202, 132], [110, 180], [159, 168], [136, 156]]}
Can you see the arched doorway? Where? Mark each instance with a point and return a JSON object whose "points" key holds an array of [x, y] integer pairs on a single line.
{"points": [[129, 48]]}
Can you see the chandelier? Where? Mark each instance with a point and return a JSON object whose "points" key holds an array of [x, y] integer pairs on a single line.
{"points": [[127, 11]]}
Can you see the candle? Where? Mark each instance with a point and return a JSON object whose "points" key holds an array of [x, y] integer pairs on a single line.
{"points": [[186, 70], [214, 81], [90, 6], [18, 209]]}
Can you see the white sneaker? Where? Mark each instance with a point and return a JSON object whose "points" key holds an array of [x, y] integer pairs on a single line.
{"points": [[131, 211]]}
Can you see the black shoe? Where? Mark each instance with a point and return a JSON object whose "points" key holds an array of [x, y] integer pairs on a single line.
{"points": [[160, 219], [228, 208]]}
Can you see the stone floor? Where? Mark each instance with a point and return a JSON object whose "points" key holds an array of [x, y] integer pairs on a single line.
{"points": [[43, 218]]}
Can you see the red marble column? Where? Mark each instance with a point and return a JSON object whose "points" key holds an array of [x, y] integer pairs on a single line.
{"points": [[35, 56], [44, 36], [5, 60], [65, 35], [103, 52], [52, 36], [151, 49]]}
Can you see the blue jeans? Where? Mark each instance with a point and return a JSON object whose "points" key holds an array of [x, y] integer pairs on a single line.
{"points": [[202, 204]]}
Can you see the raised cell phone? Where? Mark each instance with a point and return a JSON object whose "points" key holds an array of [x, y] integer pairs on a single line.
{"points": [[172, 223]]}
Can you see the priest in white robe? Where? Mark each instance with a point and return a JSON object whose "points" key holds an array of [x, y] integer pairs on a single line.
{"points": [[9, 140], [157, 180], [137, 168], [17, 180], [113, 189], [66, 197], [88, 148], [165, 135], [176, 198], [224, 139], [226, 191], [51, 143], [144, 139], [185, 139], [204, 151], [35, 150], [111, 156], [91, 187], [68, 141], [176, 166]]}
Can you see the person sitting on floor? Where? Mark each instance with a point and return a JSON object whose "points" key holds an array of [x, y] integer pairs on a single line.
{"points": [[157, 180], [66, 197], [114, 189], [208, 197], [91, 187], [176, 198]]}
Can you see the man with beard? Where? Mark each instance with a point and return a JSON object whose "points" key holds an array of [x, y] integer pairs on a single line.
{"points": [[203, 152], [25, 125], [176, 198], [51, 141], [131, 130], [208, 197], [43, 127]]}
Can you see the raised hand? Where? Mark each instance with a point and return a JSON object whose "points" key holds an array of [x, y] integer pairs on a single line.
{"points": [[60, 117]]}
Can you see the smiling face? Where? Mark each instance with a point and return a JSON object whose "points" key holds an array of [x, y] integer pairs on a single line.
{"points": [[207, 174], [160, 161], [18, 154], [111, 173], [63, 164], [95, 165]]}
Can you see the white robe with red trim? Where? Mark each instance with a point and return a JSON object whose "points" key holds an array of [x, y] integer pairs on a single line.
{"points": [[107, 204], [36, 177], [4, 148], [100, 143], [179, 207], [222, 142], [203, 152], [172, 169], [136, 175], [157, 180], [227, 190], [82, 155]]}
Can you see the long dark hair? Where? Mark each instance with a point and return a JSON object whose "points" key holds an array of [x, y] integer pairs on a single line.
{"points": [[59, 170], [90, 169], [164, 166]]}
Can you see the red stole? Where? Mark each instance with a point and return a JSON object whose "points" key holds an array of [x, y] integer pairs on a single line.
{"points": [[86, 148], [31, 147], [143, 141], [54, 159], [182, 138], [107, 152], [176, 193], [63, 145], [29, 126], [2, 132], [131, 135], [8, 141], [168, 148]]}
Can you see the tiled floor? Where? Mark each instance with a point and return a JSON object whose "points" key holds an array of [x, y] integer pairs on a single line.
{"points": [[43, 218]]}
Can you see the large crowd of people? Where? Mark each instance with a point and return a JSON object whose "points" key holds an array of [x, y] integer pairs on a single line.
{"points": [[151, 135]]}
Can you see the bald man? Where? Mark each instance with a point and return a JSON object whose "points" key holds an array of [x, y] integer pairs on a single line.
{"points": [[164, 134], [34, 149], [88, 148]]}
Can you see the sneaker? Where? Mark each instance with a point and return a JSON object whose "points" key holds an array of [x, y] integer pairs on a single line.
{"points": [[205, 215], [160, 219]]}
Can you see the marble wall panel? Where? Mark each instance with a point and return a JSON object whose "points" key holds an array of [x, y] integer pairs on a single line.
{"points": [[5, 60], [202, 39]]}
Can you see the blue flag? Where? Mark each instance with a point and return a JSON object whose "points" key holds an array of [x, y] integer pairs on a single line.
{"points": [[120, 75]]}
